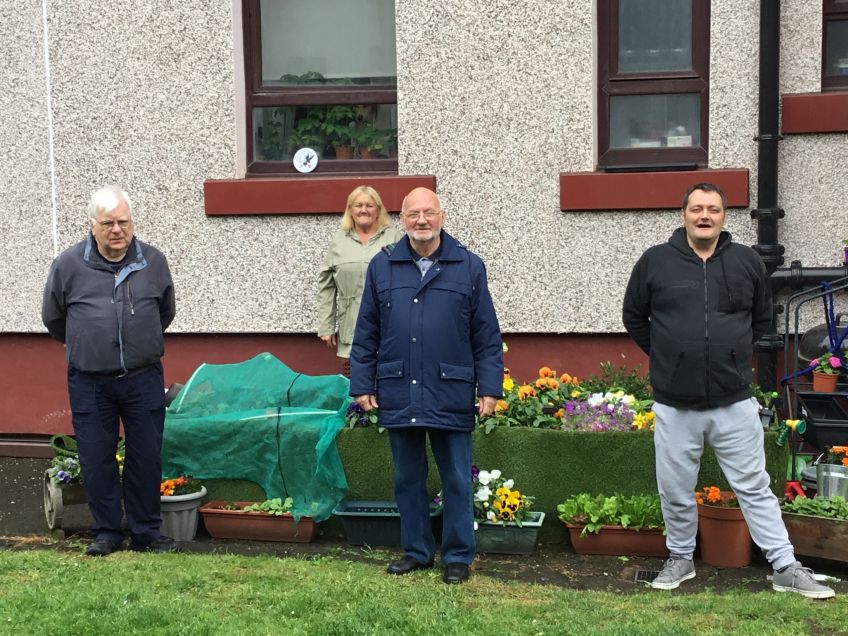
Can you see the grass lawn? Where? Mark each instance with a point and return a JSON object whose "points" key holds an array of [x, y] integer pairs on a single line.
{"points": [[51, 592]]}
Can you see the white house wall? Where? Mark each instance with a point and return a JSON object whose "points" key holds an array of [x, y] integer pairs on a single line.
{"points": [[495, 98]]}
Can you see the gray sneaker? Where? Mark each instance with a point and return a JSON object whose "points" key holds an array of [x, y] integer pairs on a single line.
{"points": [[675, 571], [796, 578]]}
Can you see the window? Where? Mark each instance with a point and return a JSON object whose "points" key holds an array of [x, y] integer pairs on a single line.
{"points": [[834, 45], [653, 83], [321, 74]]}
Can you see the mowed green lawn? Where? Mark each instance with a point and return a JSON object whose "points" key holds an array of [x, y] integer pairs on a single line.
{"points": [[47, 592]]}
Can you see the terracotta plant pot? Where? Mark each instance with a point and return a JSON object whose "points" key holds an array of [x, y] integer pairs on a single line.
{"points": [[344, 152], [255, 526], [618, 541], [824, 382], [723, 536], [364, 153]]}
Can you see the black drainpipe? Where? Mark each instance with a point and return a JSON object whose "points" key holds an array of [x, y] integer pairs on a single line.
{"points": [[767, 212]]}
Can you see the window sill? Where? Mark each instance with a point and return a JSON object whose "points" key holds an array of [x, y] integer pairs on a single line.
{"points": [[302, 195], [645, 190], [814, 113]]}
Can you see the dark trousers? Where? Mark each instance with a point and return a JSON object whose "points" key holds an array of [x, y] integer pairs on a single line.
{"points": [[452, 451], [98, 404]]}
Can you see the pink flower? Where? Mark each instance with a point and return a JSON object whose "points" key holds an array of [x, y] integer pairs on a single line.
{"points": [[814, 363], [835, 362]]}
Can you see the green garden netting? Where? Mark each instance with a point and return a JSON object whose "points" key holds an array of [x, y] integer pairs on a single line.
{"points": [[261, 421]]}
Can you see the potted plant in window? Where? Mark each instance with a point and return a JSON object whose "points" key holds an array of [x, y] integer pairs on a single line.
{"points": [[618, 525], [309, 131], [337, 125], [372, 141]]}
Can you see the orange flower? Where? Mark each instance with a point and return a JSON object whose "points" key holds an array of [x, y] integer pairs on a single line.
{"points": [[560, 414], [525, 391], [575, 381], [542, 383], [500, 406], [546, 372], [565, 378], [553, 384]]}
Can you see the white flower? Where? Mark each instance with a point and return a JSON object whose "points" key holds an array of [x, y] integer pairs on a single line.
{"points": [[484, 477], [496, 474], [628, 399], [483, 494], [595, 399], [618, 394], [475, 525], [491, 516], [509, 483]]}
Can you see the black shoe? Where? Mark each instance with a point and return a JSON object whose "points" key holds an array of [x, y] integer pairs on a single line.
{"points": [[407, 564], [455, 573], [162, 544], [102, 547]]}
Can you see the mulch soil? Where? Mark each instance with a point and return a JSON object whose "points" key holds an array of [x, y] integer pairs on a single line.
{"points": [[23, 527]]}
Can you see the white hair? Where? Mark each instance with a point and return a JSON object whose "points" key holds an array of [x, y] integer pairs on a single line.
{"points": [[107, 199]]}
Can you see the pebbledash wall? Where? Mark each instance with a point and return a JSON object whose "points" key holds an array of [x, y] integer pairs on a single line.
{"points": [[495, 103]]}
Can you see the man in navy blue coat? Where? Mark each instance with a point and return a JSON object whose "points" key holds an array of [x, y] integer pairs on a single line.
{"points": [[427, 339]]}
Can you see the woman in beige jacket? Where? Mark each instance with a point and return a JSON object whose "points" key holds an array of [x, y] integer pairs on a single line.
{"points": [[365, 228]]}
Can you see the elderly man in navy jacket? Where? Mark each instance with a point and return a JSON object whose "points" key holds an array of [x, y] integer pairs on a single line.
{"points": [[109, 298], [426, 337]]}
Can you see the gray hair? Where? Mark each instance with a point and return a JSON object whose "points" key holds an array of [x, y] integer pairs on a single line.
{"points": [[107, 199]]}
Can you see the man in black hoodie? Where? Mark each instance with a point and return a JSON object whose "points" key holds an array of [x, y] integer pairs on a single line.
{"points": [[696, 305]]}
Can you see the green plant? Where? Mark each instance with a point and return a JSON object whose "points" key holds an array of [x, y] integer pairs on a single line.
{"points": [[337, 125], [65, 470], [182, 485], [275, 506], [309, 130], [631, 381], [595, 511], [355, 416], [713, 496], [834, 508], [826, 363]]}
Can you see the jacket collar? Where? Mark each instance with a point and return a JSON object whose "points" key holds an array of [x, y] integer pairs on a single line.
{"points": [[681, 244], [451, 250], [133, 264]]}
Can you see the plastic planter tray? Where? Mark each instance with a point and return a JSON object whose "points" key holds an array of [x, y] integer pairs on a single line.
{"points": [[826, 415], [372, 522]]}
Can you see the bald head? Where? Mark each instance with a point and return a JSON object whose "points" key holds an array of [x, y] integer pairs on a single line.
{"points": [[419, 195], [423, 217]]}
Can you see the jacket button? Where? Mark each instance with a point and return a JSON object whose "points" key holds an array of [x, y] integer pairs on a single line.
{"points": [[415, 300], [413, 420], [414, 340], [443, 375], [415, 381]]}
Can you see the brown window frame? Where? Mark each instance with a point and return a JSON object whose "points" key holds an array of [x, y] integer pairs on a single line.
{"points": [[613, 83], [257, 95], [832, 11]]}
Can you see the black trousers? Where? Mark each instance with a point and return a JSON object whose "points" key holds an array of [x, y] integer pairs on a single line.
{"points": [[99, 404]]}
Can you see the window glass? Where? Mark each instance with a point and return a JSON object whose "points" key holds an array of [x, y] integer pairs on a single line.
{"points": [[328, 42], [654, 36], [341, 132], [655, 121], [836, 55]]}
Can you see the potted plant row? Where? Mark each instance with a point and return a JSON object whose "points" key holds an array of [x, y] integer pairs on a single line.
{"points": [[616, 525], [270, 520], [818, 526]]}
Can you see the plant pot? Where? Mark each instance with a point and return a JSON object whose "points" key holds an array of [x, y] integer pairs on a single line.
{"points": [[618, 541], [723, 536], [509, 537], [344, 152], [824, 382], [179, 515], [364, 153], [57, 497], [818, 536], [255, 526], [831, 480], [373, 522]]}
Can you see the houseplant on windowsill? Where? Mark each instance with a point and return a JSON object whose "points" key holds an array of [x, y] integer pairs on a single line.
{"points": [[503, 521], [180, 498], [617, 525], [825, 371], [722, 531], [818, 526], [270, 520]]}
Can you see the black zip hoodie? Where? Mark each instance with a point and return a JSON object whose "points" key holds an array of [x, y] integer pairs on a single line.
{"points": [[698, 320]]}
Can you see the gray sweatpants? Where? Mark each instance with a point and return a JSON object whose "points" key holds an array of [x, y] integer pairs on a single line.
{"points": [[736, 436]]}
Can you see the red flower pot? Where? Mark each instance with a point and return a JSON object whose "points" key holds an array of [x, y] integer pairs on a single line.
{"points": [[723, 536]]}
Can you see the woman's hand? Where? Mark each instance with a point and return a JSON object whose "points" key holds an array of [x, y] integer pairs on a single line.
{"points": [[330, 340]]}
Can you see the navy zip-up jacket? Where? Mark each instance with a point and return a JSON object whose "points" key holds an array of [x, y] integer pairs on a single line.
{"points": [[423, 345], [698, 320], [111, 323]]}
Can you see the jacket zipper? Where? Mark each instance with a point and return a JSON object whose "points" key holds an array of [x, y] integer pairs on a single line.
{"points": [[706, 335]]}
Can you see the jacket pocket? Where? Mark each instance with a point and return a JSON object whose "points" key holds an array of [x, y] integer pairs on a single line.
{"points": [[731, 370], [681, 375], [735, 294], [392, 389], [456, 393]]}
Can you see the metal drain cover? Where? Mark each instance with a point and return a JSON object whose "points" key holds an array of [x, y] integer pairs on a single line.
{"points": [[646, 576]]}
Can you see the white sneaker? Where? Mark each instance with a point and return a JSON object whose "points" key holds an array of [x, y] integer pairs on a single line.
{"points": [[676, 571], [796, 578]]}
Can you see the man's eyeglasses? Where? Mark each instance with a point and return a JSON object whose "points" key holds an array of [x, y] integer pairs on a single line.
{"points": [[107, 225], [428, 214]]}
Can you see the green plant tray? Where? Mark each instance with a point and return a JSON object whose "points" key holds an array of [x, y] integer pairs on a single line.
{"points": [[374, 522], [509, 538]]}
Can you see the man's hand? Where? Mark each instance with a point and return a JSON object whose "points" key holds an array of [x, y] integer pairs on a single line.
{"points": [[486, 405], [330, 340], [367, 402]]}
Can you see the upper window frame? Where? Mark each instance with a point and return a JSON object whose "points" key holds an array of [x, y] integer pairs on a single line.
{"points": [[258, 95], [832, 10], [611, 83]]}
